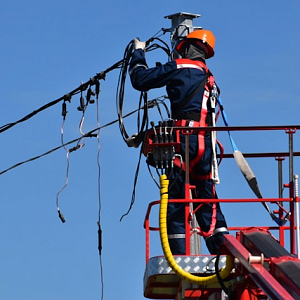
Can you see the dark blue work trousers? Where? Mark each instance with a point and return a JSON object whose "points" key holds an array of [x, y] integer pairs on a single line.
{"points": [[204, 189]]}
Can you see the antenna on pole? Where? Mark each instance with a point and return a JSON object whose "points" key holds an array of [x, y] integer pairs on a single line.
{"points": [[182, 25]]}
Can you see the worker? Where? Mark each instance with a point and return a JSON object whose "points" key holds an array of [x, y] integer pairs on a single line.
{"points": [[182, 78]]}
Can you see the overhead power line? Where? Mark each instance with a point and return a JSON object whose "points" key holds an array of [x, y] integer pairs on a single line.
{"points": [[151, 104], [66, 97]]}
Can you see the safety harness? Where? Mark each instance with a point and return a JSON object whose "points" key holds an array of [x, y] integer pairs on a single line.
{"points": [[207, 118]]}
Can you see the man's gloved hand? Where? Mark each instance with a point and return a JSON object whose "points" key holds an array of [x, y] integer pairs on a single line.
{"points": [[137, 44]]}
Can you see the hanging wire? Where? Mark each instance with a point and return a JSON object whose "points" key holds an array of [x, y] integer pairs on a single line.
{"points": [[68, 151], [121, 89], [151, 104], [134, 185], [64, 113], [99, 189], [83, 107], [142, 120]]}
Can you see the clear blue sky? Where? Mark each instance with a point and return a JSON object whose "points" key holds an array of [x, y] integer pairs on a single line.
{"points": [[47, 49]]}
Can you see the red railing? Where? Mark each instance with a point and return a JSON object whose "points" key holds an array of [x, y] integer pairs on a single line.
{"points": [[281, 212]]}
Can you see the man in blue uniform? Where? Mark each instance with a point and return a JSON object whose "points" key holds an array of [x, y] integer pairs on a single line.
{"points": [[186, 78]]}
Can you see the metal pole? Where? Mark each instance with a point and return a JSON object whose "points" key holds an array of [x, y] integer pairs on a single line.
{"points": [[280, 182], [280, 195], [182, 25]]}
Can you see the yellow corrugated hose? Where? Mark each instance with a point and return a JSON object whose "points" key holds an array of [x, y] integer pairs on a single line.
{"points": [[225, 272]]}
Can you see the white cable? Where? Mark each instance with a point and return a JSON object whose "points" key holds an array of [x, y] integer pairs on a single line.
{"points": [[67, 173], [214, 167]]}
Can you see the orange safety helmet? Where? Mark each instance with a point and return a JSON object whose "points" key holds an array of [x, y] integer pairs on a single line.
{"points": [[204, 36]]}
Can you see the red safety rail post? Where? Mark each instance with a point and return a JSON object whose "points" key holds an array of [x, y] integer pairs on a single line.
{"points": [[187, 223], [296, 193], [290, 132], [148, 228]]}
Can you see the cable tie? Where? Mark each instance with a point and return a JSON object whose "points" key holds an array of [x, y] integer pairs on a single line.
{"points": [[67, 97], [166, 30], [74, 148], [151, 103], [91, 135], [81, 107], [84, 86], [99, 238], [101, 75]]}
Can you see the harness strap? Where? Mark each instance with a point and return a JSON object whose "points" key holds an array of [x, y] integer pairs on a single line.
{"points": [[200, 134], [201, 145]]}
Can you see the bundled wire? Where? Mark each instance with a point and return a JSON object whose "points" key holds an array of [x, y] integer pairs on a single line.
{"points": [[142, 119]]}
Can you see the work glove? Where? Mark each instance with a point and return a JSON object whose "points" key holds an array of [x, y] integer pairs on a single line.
{"points": [[137, 44]]}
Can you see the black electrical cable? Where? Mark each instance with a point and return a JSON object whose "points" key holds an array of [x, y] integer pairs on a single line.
{"points": [[66, 97], [224, 288], [142, 125], [143, 121], [27, 117], [99, 194], [134, 185], [120, 64], [83, 86], [121, 88], [88, 134]]}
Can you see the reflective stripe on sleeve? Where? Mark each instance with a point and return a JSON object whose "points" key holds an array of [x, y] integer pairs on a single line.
{"points": [[176, 236]]}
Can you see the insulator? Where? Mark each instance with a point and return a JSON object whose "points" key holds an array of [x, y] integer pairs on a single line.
{"points": [[64, 109], [99, 239]]}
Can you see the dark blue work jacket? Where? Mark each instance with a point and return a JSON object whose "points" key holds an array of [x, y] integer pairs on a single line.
{"points": [[180, 80]]}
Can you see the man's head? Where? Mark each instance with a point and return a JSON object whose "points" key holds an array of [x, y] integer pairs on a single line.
{"points": [[201, 39]]}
